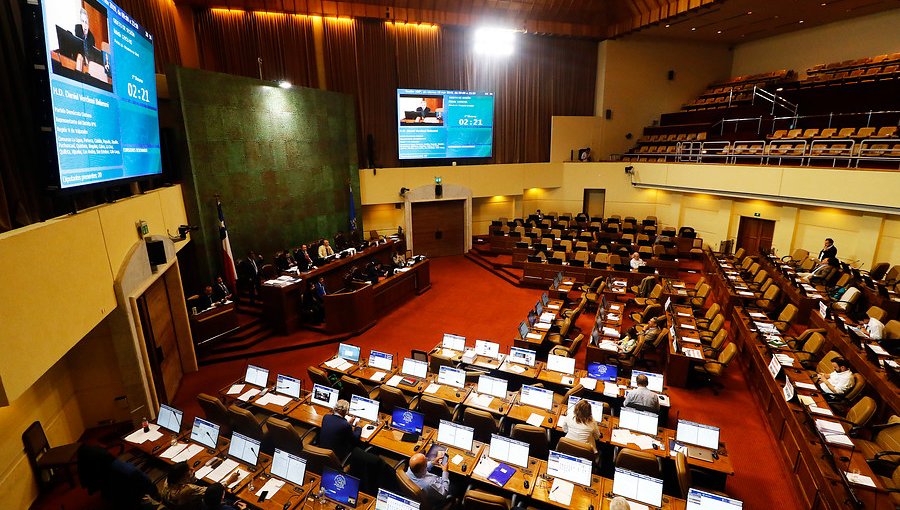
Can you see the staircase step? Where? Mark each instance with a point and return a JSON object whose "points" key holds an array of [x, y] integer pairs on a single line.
{"points": [[486, 264]]}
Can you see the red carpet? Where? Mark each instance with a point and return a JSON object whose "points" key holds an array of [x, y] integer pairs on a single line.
{"points": [[468, 300]]}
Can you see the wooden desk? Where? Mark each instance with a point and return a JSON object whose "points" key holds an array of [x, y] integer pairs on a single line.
{"points": [[541, 273], [523, 371], [213, 322], [469, 457], [393, 291], [498, 406], [521, 412], [289, 496], [389, 439], [366, 502], [351, 310], [349, 369], [516, 484], [449, 394], [582, 497], [308, 413], [561, 379], [370, 374]]}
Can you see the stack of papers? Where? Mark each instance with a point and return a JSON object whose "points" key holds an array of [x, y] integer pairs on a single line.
{"points": [[859, 479], [784, 359], [607, 331], [512, 367], [805, 386], [274, 399], [140, 437], [745, 293], [338, 364], [378, 376], [394, 381], [833, 432], [188, 453], [235, 389], [625, 436], [820, 410], [219, 473], [589, 383], [609, 345], [692, 353], [173, 450], [610, 389], [249, 394], [533, 336], [561, 491], [485, 467]]}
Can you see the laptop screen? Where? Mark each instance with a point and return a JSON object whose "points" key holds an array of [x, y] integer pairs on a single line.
{"points": [[562, 364], [364, 408], [492, 386], [456, 435], [522, 356], [486, 348], [602, 372], [451, 376], [596, 408], [289, 467], [655, 381], [537, 397], [523, 329], [349, 352], [538, 308], [454, 342], [545, 298], [169, 418], [699, 500], [407, 421], [340, 487], [205, 433], [324, 396], [638, 421], [568, 467], [243, 448], [389, 501], [287, 385], [697, 434], [381, 360], [509, 450], [256, 376], [638, 487], [414, 368]]}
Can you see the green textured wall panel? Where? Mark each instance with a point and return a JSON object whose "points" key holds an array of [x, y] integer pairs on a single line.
{"points": [[280, 159]]}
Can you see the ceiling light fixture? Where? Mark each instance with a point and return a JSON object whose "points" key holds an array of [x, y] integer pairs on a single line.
{"points": [[494, 41]]}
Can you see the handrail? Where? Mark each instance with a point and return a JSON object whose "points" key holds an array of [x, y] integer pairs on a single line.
{"points": [[775, 100]]}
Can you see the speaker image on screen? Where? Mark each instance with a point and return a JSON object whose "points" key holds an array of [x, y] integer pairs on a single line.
{"points": [[156, 252]]}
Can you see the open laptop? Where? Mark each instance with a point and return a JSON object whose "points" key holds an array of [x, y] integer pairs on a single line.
{"points": [[288, 467], [569, 468], [522, 356], [244, 449], [349, 352], [700, 438], [508, 450], [256, 376], [413, 371], [324, 396], [169, 418], [340, 487], [701, 500], [381, 360], [644, 422], [408, 422], [638, 487], [287, 385], [451, 434], [386, 500], [601, 371], [534, 396]]}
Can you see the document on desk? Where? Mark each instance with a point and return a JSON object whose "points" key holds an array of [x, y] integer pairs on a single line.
{"points": [[338, 364], [449, 353], [607, 331], [378, 376], [249, 394], [242, 473], [877, 349], [485, 467], [173, 451], [613, 317], [820, 410], [609, 345], [140, 437], [859, 479], [758, 315], [274, 399], [226, 467], [610, 389], [745, 293], [561, 491], [805, 386], [567, 380], [457, 459], [534, 336], [543, 326], [514, 368], [683, 314], [535, 420], [235, 389], [483, 400], [432, 388], [394, 381], [367, 432], [553, 307], [589, 383], [687, 326], [272, 486], [806, 400], [692, 353], [188, 453], [625, 436]]}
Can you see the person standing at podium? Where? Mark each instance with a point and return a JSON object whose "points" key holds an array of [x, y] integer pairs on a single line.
{"points": [[304, 260]]}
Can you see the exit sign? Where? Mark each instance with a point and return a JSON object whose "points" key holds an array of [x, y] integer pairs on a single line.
{"points": [[756, 214]]}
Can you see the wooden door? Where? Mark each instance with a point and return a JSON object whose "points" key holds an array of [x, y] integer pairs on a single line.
{"points": [[162, 343], [439, 227], [755, 234], [594, 202]]}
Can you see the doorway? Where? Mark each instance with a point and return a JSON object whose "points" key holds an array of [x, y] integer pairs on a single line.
{"points": [[439, 228], [755, 234], [594, 202], [161, 339]]}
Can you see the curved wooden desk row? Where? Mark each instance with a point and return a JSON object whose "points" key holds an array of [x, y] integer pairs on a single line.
{"points": [[876, 376]]}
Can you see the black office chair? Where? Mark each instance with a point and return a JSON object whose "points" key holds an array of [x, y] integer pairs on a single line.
{"points": [[48, 462], [418, 355]]}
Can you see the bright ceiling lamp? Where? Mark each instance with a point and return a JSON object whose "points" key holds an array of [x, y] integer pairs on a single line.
{"points": [[494, 41]]}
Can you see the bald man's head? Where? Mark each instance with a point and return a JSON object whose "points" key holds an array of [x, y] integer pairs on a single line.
{"points": [[418, 464]]}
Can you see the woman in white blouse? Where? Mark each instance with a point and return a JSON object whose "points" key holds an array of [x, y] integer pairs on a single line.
{"points": [[579, 424]]}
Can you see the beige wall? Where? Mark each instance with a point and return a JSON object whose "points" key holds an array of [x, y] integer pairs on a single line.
{"points": [[854, 38], [860, 234], [572, 133], [633, 83], [60, 364]]}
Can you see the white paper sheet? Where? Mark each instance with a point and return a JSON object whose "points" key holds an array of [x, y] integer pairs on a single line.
{"points": [[394, 381], [589, 383], [226, 467], [561, 491], [173, 451], [432, 388], [457, 459], [249, 394], [485, 467], [140, 437], [535, 420], [610, 389], [378, 376], [188, 453], [235, 389], [272, 486]]}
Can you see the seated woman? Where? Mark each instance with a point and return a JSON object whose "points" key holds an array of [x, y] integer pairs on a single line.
{"points": [[578, 424]]}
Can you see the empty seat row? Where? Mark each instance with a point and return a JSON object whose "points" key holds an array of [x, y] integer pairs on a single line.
{"points": [[674, 137], [849, 132]]}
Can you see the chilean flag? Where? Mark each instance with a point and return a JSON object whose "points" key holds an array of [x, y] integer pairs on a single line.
{"points": [[230, 275]]}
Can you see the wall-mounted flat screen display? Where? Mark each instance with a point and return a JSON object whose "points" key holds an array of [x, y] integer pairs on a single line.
{"points": [[444, 124]]}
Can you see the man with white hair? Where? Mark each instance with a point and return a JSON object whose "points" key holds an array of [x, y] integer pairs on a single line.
{"points": [[337, 434], [437, 488], [619, 503]]}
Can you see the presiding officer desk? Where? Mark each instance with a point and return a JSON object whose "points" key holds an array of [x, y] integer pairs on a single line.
{"points": [[352, 310]]}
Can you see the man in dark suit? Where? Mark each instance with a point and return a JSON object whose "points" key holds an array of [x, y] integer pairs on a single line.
{"points": [[248, 270], [206, 300], [83, 31], [222, 292], [828, 251], [304, 259], [337, 434]]}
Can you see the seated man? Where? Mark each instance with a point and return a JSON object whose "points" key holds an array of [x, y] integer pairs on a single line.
{"points": [[648, 331], [821, 271], [207, 300], [223, 293], [635, 262], [179, 491], [336, 433], [838, 382], [304, 259], [642, 396], [398, 259], [325, 249], [874, 328], [437, 488], [214, 499]]}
